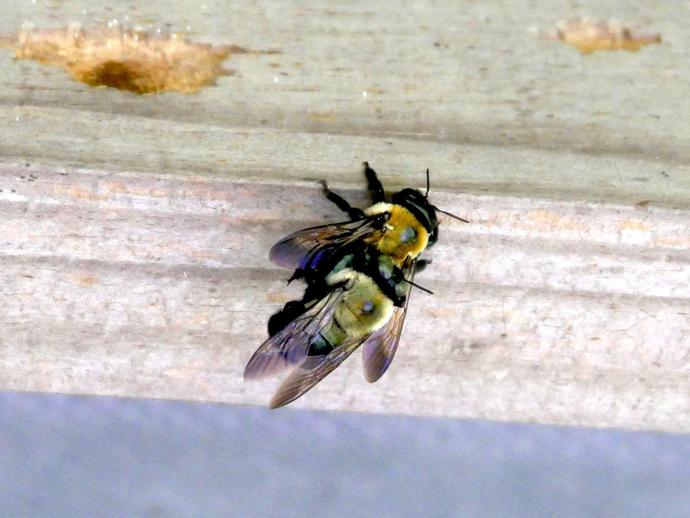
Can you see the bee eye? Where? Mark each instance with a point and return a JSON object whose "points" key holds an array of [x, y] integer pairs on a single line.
{"points": [[367, 307], [409, 235]]}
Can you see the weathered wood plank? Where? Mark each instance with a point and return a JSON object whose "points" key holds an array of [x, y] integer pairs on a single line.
{"points": [[475, 92], [159, 287], [134, 229]]}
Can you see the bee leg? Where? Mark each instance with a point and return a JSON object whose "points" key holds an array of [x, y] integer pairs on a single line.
{"points": [[342, 203], [375, 185], [298, 274], [420, 265], [290, 312], [399, 300]]}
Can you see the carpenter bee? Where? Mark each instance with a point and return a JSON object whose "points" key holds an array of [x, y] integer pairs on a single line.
{"points": [[361, 302], [359, 274], [402, 229]]}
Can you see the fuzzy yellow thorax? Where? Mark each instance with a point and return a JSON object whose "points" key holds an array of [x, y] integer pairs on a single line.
{"points": [[403, 235]]}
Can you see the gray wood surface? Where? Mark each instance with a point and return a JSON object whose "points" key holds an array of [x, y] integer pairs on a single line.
{"points": [[134, 229]]}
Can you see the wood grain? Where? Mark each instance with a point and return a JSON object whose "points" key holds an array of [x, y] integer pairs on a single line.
{"points": [[134, 229]]}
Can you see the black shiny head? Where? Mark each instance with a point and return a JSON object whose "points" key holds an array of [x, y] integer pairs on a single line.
{"points": [[418, 204]]}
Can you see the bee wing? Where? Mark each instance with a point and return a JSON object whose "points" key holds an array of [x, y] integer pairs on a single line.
{"points": [[381, 345], [289, 346], [312, 245], [312, 370]]}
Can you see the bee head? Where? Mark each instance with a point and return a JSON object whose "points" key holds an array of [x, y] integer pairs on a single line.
{"points": [[418, 204]]}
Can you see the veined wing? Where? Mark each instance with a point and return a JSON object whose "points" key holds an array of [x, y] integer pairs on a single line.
{"points": [[312, 370], [289, 346], [379, 349], [311, 246]]}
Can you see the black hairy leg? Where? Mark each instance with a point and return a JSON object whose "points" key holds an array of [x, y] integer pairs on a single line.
{"points": [[342, 203], [375, 185]]}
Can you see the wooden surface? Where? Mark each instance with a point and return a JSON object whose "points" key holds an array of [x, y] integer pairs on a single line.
{"points": [[134, 229]]}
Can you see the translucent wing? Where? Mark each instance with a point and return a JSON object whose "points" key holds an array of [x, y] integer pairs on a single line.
{"points": [[312, 370], [310, 247], [289, 346], [381, 345]]}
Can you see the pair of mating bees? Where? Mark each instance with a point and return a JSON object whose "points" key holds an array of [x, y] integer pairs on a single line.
{"points": [[359, 275]]}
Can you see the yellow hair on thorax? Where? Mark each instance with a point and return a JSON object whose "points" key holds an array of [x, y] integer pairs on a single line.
{"points": [[403, 235]]}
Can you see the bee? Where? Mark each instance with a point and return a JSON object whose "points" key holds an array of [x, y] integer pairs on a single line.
{"points": [[402, 229], [359, 275]]}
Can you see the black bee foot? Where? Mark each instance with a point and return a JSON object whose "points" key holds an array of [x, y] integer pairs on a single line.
{"points": [[421, 265], [342, 203], [375, 185]]}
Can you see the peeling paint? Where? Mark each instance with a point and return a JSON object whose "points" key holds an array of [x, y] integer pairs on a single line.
{"points": [[126, 59], [589, 36]]}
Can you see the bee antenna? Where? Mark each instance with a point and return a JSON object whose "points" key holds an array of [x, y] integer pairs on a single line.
{"points": [[419, 287], [450, 214], [428, 183]]}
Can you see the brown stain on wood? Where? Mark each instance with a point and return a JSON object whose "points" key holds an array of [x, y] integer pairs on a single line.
{"points": [[85, 280], [589, 36], [278, 298], [126, 59], [323, 117]]}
